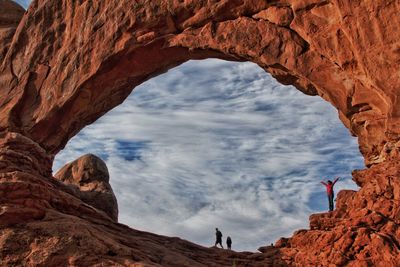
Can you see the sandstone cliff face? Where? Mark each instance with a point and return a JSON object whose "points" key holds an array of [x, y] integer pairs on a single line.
{"points": [[89, 179], [10, 16], [69, 62]]}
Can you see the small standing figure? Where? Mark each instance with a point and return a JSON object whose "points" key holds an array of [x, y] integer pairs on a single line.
{"points": [[229, 242], [218, 236], [329, 191]]}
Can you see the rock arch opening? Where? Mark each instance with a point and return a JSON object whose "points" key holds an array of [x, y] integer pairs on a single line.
{"points": [[217, 143], [58, 75]]}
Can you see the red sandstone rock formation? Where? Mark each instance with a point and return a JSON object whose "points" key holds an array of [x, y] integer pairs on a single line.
{"points": [[89, 179], [69, 62], [10, 16]]}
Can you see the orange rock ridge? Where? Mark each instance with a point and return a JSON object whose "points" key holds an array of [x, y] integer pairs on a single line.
{"points": [[66, 63]]}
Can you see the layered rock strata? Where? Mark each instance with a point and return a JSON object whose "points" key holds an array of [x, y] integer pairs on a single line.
{"points": [[63, 64]]}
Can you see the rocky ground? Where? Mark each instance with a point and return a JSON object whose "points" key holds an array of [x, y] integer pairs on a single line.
{"points": [[363, 230]]}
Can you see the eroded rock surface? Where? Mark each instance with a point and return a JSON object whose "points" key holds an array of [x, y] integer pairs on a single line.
{"points": [[89, 179], [69, 62], [10, 16]]}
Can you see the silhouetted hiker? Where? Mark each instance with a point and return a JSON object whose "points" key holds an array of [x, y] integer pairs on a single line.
{"points": [[218, 236], [329, 191], [228, 242]]}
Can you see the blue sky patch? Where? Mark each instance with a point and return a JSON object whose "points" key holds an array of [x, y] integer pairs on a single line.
{"points": [[130, 150]]}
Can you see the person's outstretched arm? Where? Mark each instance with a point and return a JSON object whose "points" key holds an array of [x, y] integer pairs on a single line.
{"points": [[322, 182], [337, 178]]}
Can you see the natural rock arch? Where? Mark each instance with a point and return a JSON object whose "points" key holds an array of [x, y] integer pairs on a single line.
{"points": [[69, 62], [66, 55]]}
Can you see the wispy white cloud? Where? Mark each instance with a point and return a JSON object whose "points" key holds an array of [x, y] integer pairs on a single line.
{"points": [[219, 144]]}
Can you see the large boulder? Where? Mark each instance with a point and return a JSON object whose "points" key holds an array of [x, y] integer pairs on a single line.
{"points": [[89, 179]]}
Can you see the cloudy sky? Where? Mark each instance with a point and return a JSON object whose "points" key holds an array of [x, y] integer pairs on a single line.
{"points": [[219, 144]]}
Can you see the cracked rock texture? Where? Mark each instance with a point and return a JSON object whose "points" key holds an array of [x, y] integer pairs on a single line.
{"points": [[66, 63]]}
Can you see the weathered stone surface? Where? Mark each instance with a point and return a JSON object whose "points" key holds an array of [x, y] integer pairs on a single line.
{"points": [[89, 179], [69, 62], [281, 16], [10, 16]]}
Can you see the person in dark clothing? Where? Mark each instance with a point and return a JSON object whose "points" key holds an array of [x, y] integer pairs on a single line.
{"points": [[329, 191], [229, 242], [218, 236]]}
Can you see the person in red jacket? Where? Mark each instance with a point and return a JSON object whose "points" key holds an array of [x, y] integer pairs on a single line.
{"points": [[329, 191]]}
